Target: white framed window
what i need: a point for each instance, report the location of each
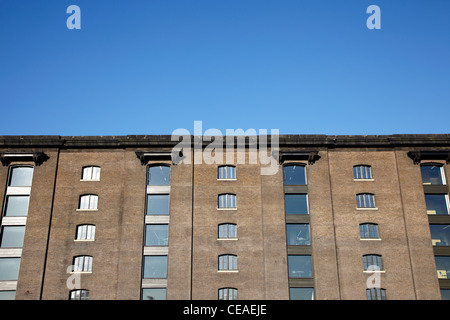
(365, 200)
(226, 173)
(85, 232)
(81, 294)
(82, 264)
(91, 173)
(227, 201)
(368, 231)
(88, 202)
(228, 294)
(227, 262)
(362, 172)
(227, 231)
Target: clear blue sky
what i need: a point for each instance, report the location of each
(152, 66)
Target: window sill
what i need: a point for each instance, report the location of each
(87, 209)
(363, 179)
(226, 179)
(228, 271)
(84, 240)
(89, 179)
(374, 271)
(227, 239)
(78, 272)
(371, 209)
(370, 239)
(225, 209)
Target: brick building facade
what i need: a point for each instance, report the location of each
(342, 218)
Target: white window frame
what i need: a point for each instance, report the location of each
(362, 172)
(364, 201)
(79, 294)
(228, 294)
(227, 201)
(88, 202)
(85, 232)
(82, 264)
(227, 231)
(91, 173)
(227, 262)
(226, 172)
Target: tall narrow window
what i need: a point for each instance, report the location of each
(294, 175)
(372, 262)
(91, 173)
(82, 264)
(365, 200)
(227, 172)
(296, 203)
(443, 266)
(227, 201)
(227, 262)
(159, 176)
(16, 206)
(362, 172)
(81, 294)
(227, 231)
(85, 232)
(9, 268)
(368, 231)
(432, 174)
(299, 266)
(154, 294)
(440, 234)
(156, 234)
(12, 236)
(158, 204)
(155, 267)
(228, 294)
(301, 293)
(21, 177)
(376, 294)
(298, 234)
(88, 202)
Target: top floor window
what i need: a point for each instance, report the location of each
(159, 176)
(91, 173)
(227, 172)
(21, 176)
(294, 174)
(432, 174)
(362, 172)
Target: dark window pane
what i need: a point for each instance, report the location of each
(301, 293)
(158, 204)
(445, 294)
(431, 174)
(296, 204)
(12, 236)
(21, 177)
(155, 267)
(443, 267)
(298, 234)
(159, 176)
(294, 175)
(299, 266)
(440, 234)
(17, 206)
(9, 268)
(154, 294)
(436, 203)
(157, 235)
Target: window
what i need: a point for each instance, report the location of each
(437, 204)
(227, 172)
(158, 204)
(154, 294)
(159, 176)
(294, 175)
(376, 294)
(372, 262)
(301, 293)
(443, 266)
(227, 262)
(156, 234)
(227, 294)
(9, 268)
(227, 201)
(7, 295)
(298, 234)
(368, 231)
(91, 173)
(432, 174)
(12, 236)
(227, 231)
(155, 267)
(296, 203)
(365, 200)
(21, 177)
(440, 234)
(362, 172)
(88, 202)
(299, 266)
(17, 206)
(82, 264)
(85, 232)
(82, 294)
(445, 294)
